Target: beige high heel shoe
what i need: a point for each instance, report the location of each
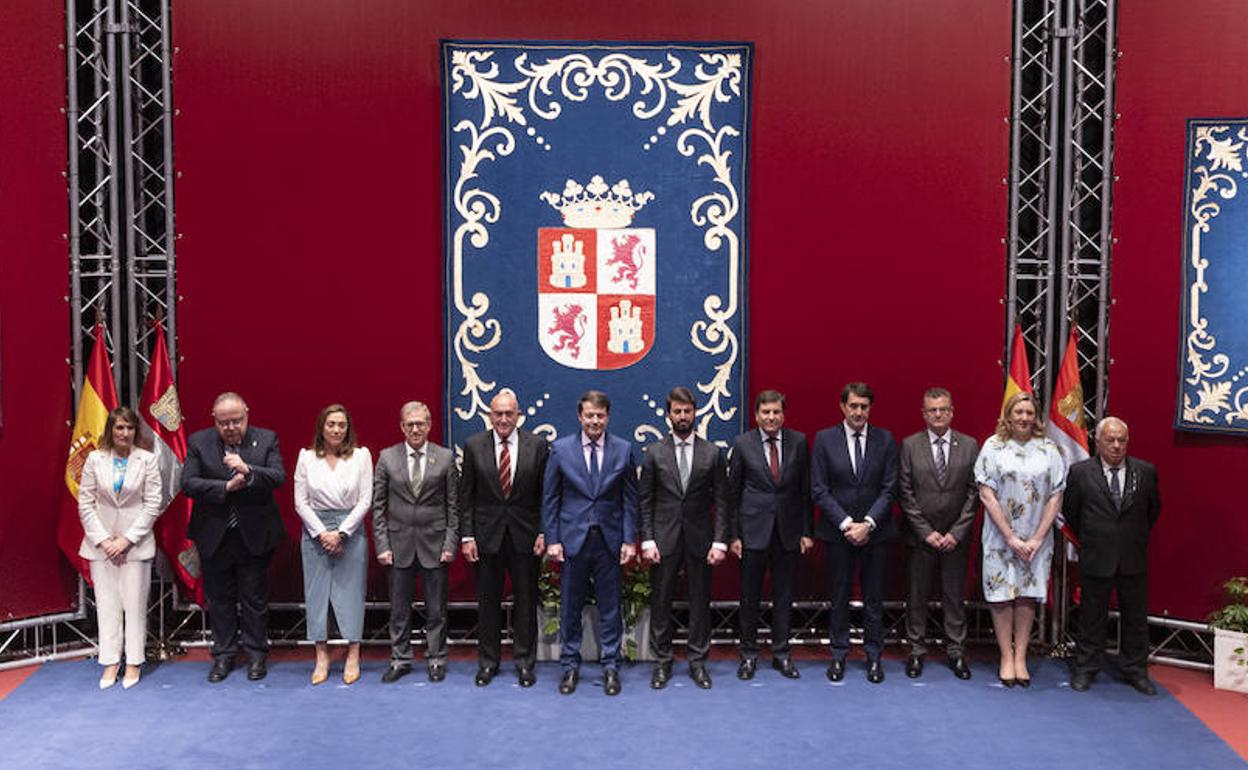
(109, 677)
(131, 678)
(321, 672)
(351, 669)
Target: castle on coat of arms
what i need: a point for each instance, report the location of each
(624, 329)
(567, 263)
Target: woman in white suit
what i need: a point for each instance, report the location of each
(118, 502)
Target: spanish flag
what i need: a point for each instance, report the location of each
(1019, 380)
(99, 397)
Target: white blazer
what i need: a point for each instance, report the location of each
(131, 514)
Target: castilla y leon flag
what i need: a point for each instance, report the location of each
(98, 398)
(1019, 380)
(160, 410)
(1065, 426)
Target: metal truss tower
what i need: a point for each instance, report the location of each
(120, 233)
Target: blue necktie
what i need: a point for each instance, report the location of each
(858, 455)
(1115, 489)
(594, 468)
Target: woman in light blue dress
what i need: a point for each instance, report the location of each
(1021, 476)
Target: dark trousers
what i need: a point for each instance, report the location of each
(236, 586)
(1094, 619)
(523, 568)
(754, 565)
(402, 591)
(923, 563)
(594, 559)
(843, 557)
(663, 589)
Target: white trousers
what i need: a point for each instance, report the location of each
(121, 593)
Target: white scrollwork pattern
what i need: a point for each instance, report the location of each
(1216, 394)
(653, 86)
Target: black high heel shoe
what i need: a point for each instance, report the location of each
(1023, 682)
(1011, 682)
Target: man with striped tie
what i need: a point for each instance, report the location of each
(939, 499)
(500, 517)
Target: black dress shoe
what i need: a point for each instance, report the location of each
(1080, 682)
(395, 673)
(959, 667)
(257, 670)
(836, 670)
(914, 666)
(485, 675)
(526, 676)
(437, 672)
(567, 685)
(1141, 683)
(745, 671)
(700, 677)
(786, 668)
(875, 671)
(660, 676)
(220, 669)
(611, 682)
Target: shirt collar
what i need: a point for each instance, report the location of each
(931, 437)
(414, 452)
(849, 432)
(682, 441)
(585, 440)
(766, 438)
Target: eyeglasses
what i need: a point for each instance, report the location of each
(939, 410)
(232, 422)
(415, 424)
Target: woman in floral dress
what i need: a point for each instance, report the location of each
(1021, 476)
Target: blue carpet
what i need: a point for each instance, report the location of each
(175, 719)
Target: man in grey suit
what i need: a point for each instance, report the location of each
(415, 526)
(939, 499)
(684, 520)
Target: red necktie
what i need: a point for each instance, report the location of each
(504, 469)
(773, 459)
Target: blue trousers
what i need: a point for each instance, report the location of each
(596, 560)
(335, 580)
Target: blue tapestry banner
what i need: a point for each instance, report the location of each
(595, 231)
(1213, 353)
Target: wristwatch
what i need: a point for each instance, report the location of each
(342, 535)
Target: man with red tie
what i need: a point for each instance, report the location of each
(768, 497)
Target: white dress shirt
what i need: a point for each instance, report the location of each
(346, 486)
(767, 448)
(686, 445)
(853, 463)
(513, 445)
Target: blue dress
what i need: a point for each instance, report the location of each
(1024, 477)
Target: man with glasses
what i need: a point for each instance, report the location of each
(500, 519)
(230, 474)
(939, 499)
(415, 531)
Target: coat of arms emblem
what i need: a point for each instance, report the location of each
(596, 278)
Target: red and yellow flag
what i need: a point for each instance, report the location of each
(1066, 426)
(98, 398)
(1019, 380)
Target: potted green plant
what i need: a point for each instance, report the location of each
(1230, 640)
(635, 607)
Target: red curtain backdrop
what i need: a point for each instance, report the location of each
(34, 324)
(310, 200)
(1180, 61)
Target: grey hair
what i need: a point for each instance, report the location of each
(413, 406)
(229, 395)
(1106, 422)
(505, 392)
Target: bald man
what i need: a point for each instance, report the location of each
(1111, 504)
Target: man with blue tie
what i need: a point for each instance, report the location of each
(589, 521)
(853, 480)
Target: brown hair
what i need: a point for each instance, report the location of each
(1003, 422)
(120, 413)
(680, 395)
(348, 441)
(596, 399)
(768, 397)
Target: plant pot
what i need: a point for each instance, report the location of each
(637, 639)
(548, 644)
(1230, 660)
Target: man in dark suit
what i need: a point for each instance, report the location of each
(500, 517)
(230, 474)
(853, 481)
(684, 520)
(589, 518)
(1111, 504)
(768, 496)
(939, 498)
(415, 531)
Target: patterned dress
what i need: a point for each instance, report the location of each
(1023, 476)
